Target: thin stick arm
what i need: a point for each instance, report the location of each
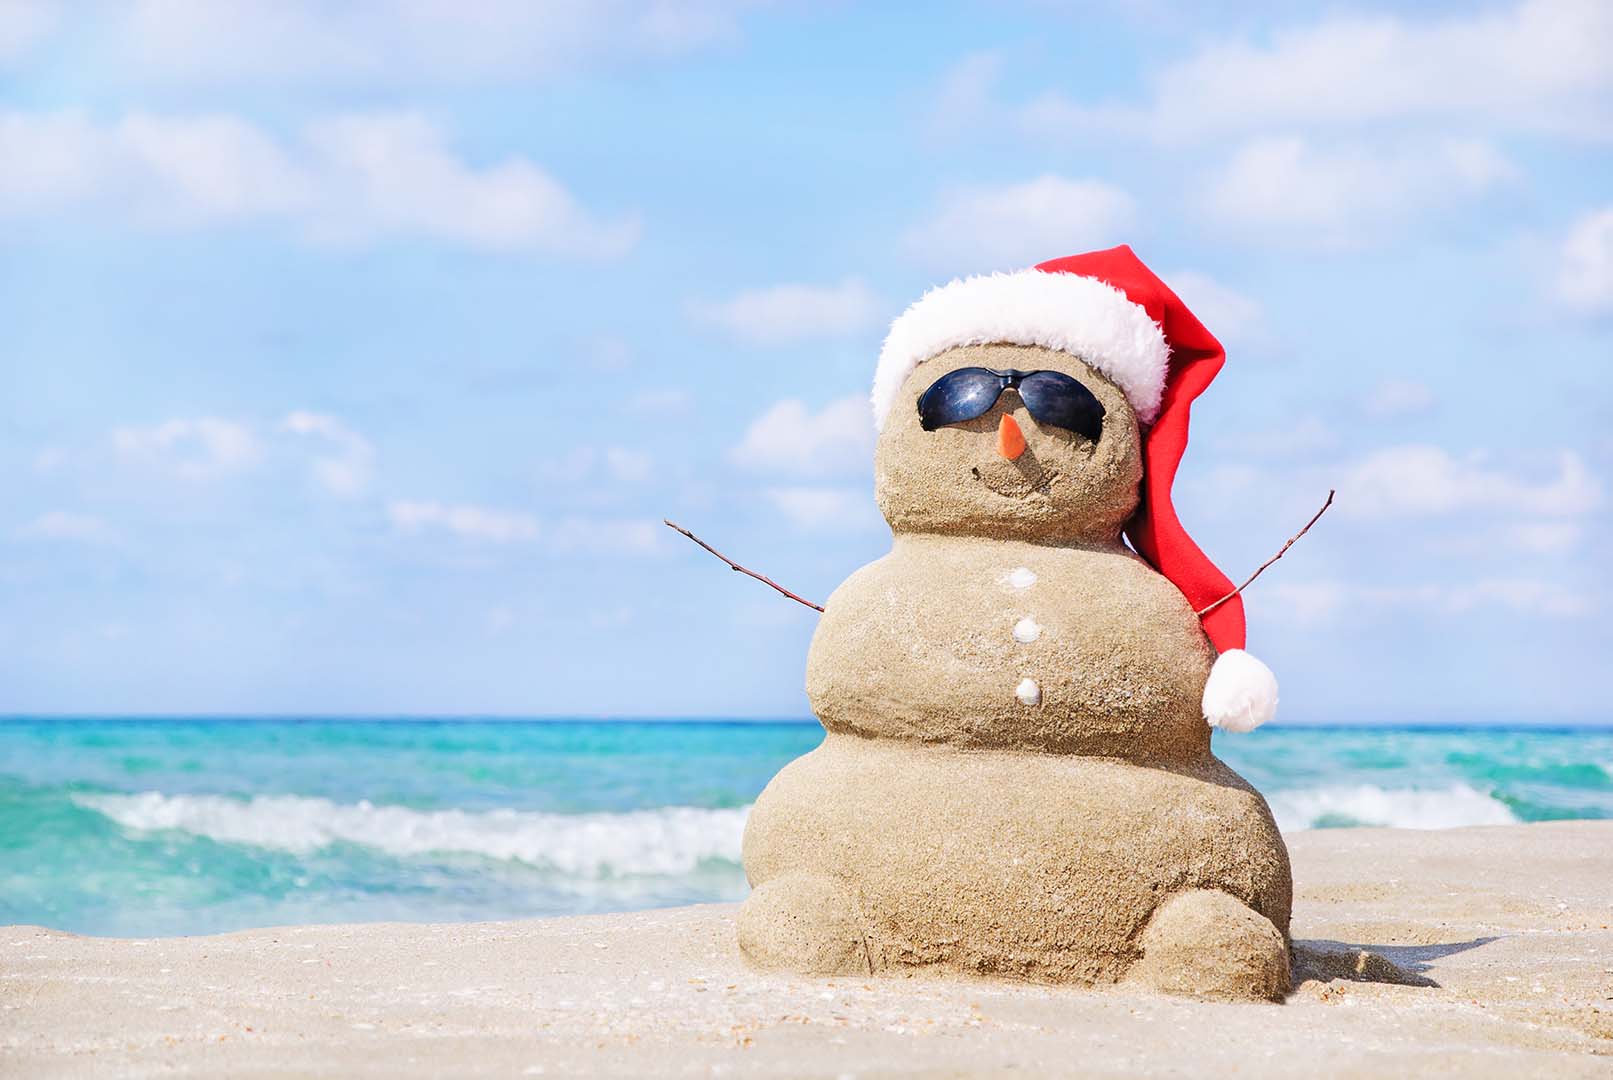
(732, 565)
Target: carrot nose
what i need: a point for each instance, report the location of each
(1010, 440)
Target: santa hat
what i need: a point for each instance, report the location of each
(1111, 311)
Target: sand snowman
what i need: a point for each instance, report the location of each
(1017, 777)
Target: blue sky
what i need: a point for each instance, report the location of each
(351, 361)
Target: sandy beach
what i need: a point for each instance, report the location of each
(1489, 951)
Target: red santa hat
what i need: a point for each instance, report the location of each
(1111, 311)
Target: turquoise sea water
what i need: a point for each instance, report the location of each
(147, 827)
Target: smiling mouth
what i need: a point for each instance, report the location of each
(1016, 479)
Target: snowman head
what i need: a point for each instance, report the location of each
(1050, 460)
(1102, 320)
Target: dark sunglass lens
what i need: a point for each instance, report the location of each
(1055, 398)
(958, 396)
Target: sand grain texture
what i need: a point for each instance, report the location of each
(1512, 923)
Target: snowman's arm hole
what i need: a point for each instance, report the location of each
(1314, 519)
(732, 565)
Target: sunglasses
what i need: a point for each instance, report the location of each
(1051, 397)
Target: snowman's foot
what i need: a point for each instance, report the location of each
(1207, 943)
(805, 923)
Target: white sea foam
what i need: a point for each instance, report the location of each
(670, 840)
(1404, 808)
(667, 841)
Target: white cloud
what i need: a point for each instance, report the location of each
(790, 438)
(1585, 276)
(1012, 226)
(606, 536)
(23, 24)
(471, 522)
(280, 41)
(394, 174)
(780, 314)
(1234, 319)
(824, 509)
(1524, 595)
(157, 171)
(1540, 65)
(1544, 537)
(193, 448)
(346, 471)
(1322, 601)
(1535, 66)
(570, 535)
(64, 525)
(346, 179)
(1346, 195)
(1400, 397)
(1425, 481)
(198, 169)
(1535, 538)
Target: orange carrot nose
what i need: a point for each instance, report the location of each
(1010, 440)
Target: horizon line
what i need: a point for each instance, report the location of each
(1544, 723)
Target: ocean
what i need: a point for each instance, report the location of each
(150, 827)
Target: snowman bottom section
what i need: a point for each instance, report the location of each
(1037, 866)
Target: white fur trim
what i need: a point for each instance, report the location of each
(1079, 315)
(1241, 692)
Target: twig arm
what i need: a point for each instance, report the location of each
(769, 582)
(1314, 519)
(732, 565)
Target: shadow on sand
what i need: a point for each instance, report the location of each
(1403, 965)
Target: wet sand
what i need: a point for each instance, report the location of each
(1489, 952)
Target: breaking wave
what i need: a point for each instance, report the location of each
(1403, 808)
(665, 841)
(669, 840)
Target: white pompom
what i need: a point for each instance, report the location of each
(1241, 693)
